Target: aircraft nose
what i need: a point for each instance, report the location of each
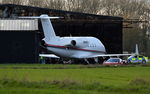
(103, 49)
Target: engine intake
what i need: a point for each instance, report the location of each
(73, 43)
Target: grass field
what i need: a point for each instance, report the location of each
(74, 79)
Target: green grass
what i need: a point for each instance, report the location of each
(74, 79)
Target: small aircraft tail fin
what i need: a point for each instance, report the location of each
(136, 50)
(49, 32)
(48, 29)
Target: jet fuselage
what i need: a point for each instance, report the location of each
(76, 47)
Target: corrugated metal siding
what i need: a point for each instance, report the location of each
(18, 25)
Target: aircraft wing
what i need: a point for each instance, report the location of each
(110, 55)
(49, 55)
(103, 55)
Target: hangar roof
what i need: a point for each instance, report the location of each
(54, 12)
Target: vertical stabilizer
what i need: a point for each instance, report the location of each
(49, 32)
(136, 50)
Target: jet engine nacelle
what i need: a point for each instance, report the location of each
(73, 43)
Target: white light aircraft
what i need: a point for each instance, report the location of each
(71, 47)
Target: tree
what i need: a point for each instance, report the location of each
(54, 4)
(38, 3)
(19, 2)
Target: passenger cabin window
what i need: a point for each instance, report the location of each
(92, 45)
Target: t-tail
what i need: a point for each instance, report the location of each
(48, 29)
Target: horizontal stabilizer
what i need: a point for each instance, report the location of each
(39, 17)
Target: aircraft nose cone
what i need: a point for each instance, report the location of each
(102, 48)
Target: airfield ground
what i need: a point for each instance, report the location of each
(74, 79)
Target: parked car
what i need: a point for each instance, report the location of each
(114, 61)
(137, 59)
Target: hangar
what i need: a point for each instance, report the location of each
(22, 45)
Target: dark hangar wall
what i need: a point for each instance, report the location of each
(107, 28)
(18, 47)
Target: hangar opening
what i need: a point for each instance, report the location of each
(21, 43)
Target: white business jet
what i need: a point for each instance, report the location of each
(70, 47)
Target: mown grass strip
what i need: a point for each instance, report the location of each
(135, 86)
(57, 66)
(104, 80)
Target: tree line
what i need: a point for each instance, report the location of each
(128, 9)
